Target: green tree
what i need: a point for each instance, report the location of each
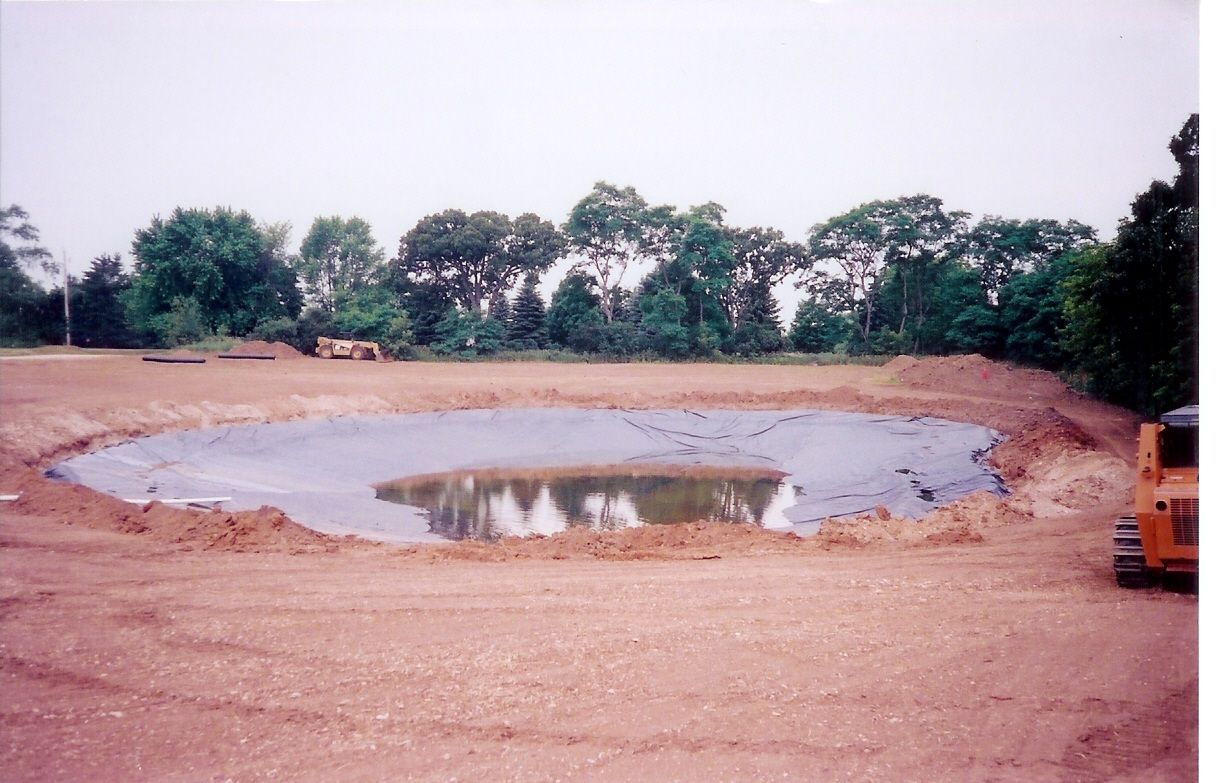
(816, 329)
(276, 293)
(99, 318)
(370, 313)
(472, 259)
(977, 329)
(856, 244)
(697, 268)
(18, 242)
(278, 330)
(427, 303)
(999, 248)
(763, 258)
(181, 324)
(945, 289)
(919, 235)
(662, 327)
(25, 314)
(1032, 311)
(468, 334)
(612, 229)
(312, 323)
(527, 321)
(500, 310)
(574, 309)
(234, 271)
(1132, 307)
(908, 236)
(338, 254)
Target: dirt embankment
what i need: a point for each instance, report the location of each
(264, 530)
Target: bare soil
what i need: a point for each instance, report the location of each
(986, 642)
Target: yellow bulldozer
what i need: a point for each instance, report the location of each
(1161, 537)
(335, 348)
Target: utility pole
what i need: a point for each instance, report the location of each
(67, 313)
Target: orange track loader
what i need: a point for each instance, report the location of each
(1162, 535)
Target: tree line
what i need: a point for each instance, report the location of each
(901, 275)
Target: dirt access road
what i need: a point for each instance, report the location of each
(986, 643)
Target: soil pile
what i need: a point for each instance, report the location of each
(976, 375)
(262, 348)
(900, 363)
(265, 530)
(960, 522)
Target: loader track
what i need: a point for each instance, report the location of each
(1128, 557)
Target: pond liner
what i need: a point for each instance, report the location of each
(175, 359)
(322, 472)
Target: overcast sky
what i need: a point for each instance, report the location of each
(787, 113)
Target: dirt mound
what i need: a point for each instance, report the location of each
(959, 522)
(900, 363)
(262, 348)
(265, 530)
(692, 541)
(976, 375)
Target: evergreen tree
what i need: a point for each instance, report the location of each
(500, 310)
(99, 318)
(527, 321)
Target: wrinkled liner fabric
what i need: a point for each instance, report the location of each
(321, 472)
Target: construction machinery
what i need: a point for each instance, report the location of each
(335, 348)
(1161, 537)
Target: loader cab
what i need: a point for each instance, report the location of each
(1179, 440)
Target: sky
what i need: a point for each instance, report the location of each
(786, 112)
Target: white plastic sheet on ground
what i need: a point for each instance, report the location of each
(321, 472)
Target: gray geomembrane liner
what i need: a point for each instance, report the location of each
(321, 472)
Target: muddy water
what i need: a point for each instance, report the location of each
(489, 504)
(322, 473)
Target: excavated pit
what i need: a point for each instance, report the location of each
(436, 476)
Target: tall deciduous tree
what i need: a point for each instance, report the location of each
(856, 244)
(612, 229)
(23, 303)
(699, 268)
(475, 258)
(234, 272)
(1132, 307)
(999, 248)
(338, 254)
(19, 242)
(763, 258)
(919, 235)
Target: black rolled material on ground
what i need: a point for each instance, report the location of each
(175, 359)
(263, 356)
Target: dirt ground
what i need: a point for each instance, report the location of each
(987, 642)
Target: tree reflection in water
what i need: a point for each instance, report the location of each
(489, 504)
